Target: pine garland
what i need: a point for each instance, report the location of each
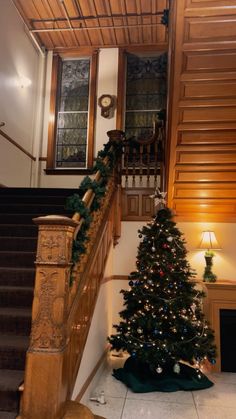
(74, 203)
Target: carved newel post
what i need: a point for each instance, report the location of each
(45, 388)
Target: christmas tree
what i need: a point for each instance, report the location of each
(162, 323)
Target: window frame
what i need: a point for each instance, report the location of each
(121, 88)
(52, 126)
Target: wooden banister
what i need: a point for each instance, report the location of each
(61, 314)
(8, 138)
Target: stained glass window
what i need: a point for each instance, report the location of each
(145, 94)
(72, 114)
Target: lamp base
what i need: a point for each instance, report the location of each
(208, 275)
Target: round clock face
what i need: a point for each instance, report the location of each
(106, 101)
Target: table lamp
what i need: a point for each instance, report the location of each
(209, 243)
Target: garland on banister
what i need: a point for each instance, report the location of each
(75, 203)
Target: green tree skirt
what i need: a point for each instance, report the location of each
(140, 379)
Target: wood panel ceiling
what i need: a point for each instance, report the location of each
(72, 24)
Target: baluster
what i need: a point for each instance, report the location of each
(134, 167)
(155, 163)
(126, 164)
(148, 164)
(140, 165)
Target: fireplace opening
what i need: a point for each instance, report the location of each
(228, 340)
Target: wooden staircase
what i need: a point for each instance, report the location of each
(18, 240)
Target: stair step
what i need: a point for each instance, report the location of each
(15, 321)
(13, 352)
(9, 394)
(17, 209)
(14, 276)
(26, 218)
(14, 230)
(14, 296)
(42, 192)
(8, 415)
(21, 259)
(35, 199)
(18, 243)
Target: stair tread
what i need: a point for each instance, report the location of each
(7, 415)
(10, 379)
(15, 288)
(16, 251)
(16, 311)
(14, 341)
(16, 269)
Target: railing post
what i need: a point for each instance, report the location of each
(45, 375)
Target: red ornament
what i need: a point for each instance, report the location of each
(161, 273)
(165, 246)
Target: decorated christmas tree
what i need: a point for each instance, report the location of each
(163, 327)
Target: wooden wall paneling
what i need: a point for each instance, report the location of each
(209, 89)
(207, 137)
(209, 4)
(147, 205)
(217, 174)
(202, 135)
(210, 29)
(207, 190)
(137, 204)
(202, 157)
(197, 114)
(209, 60)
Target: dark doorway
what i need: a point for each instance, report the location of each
(228, 340)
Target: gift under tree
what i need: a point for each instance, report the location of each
(163, 327)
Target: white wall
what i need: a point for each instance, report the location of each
(17, 105)
(106, 83)
(99, 330)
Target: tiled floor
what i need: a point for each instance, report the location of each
(218, 402)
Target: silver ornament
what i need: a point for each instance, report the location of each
(159, 370)
(153, 249)
(176, 368)
(169, 239)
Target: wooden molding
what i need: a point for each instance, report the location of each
(53, 112)
(92, 107)
(219, 295)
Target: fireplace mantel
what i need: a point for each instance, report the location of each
(219, 295)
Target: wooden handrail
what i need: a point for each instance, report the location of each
(8, 138)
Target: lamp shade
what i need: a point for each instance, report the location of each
(209, 241)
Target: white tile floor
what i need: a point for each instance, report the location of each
(217, 402)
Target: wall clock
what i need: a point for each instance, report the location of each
(106, 103)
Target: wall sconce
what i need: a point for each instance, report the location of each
(24, 81)
(209, 243)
